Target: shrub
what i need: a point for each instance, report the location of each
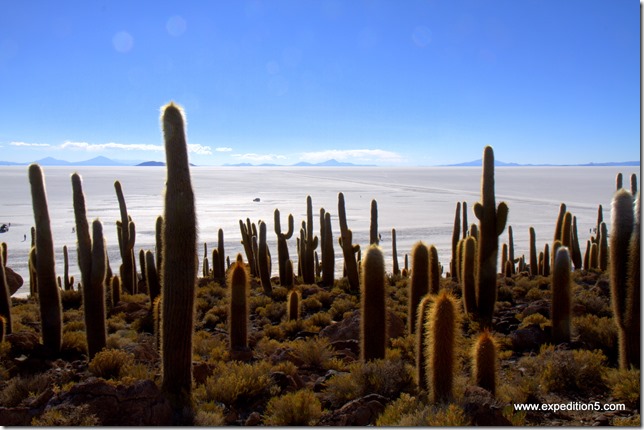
(234, 383)
(404, 405)
(624, 385)
(300, 408)
(535, 318)
(19, 388)
(317, 321)
(109, 363)
(596, 332)
(74, 342)
(341, 306)
(66, 415)
(312, 352)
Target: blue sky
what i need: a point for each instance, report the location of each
(377, 82)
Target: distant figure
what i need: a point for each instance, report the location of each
(73, 229)
(256, 199)
(24, 238)
(4, 228)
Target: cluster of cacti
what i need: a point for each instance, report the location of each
(373, 310)
(492, 222)
(179, 265)
(308, 244)
(51, 315)
(92, 263)
(5, 295)
(348, 248)
(282, 245)
(126, 232)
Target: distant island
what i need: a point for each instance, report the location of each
(101, 161)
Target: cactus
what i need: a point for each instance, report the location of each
(179, 264)
(328, 254)
(600, 219)
(511, 248)
(441, 328)
(282, 246)
(619, 182)
(263, 260)
(248, 233)
(92, 263)
(308, 243)
(394, 253)
(5, 297)
(465, 230)
(560, 222)
(456, 232)
(459, 261)
(546, 260)
(561, 296)
(468, 276)
(419, 285)
(116, 290)
(33, 275)
(288, 272)
(492, 222)
(504, 257)
(633, 184)
(422, 315)
(587, 256)
(68, 282)
(293, 306)
(622, 225)
(575, 251)
(434, 270)
(632, 317)
(152, 277)
(158, 231)
(484, 362)
(51, 315)
(221, 253)
(239, 287)
(216, 275)
(205, 271)
(373, 311)
(374, 236)
(603, 254)
(157, 304)
(348, 249)
(594, 256)
(534, 266)
(126, 235)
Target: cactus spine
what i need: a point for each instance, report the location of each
(348, 248)
(51, 316)
(492, 222)
(441, 358)
(373, 310)
(484, 362)
(419, 285)
(179, 264)
(238, 285)
(92, 263)
(5, 296)
(561, 296)
(126, 235)
(282, 246)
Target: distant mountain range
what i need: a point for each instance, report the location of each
(104, 162)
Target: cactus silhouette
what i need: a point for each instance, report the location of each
(238, 285)
(126, 235)
(456, 233)
(422, 315)
(394, 253)
(468, 276)
(603, 254)
(546, 260)
(373, 312)
(152, 276)
(5, 297)
(158, 234)
(205, 271)
(560, 222)
(179, 265)
(419, 285)
(534, 266)
(492, 222)
(293, 306)
(68, 282)
(51, 316)
(484, 362)
(619, 182)
(263, 259)
(221, 253)
(464, 220)
(561, 296)
(308, 243)
(374, 236)
(575, 251)
(511, 247)
(632, 317)
(348, 248)
(282, 245)
(441, 359)
(328, 254)
(248, 233)
(92, 263)
(434, 270)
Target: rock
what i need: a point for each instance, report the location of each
(201, 371)
(349, 328)
(284, 381)
(538, 306)
(320, 383)
(141, 403)
(18, 416)
(13, 279)
(528, 339)
(360, 412)
(254, 419)
(482, 409)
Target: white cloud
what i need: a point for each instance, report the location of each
(362, 155)
(193, 148)
(41, 145)
(223, 149)
(259, 157)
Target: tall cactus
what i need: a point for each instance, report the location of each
(422, 315)
(468, 276)
(561, 296)
(419, 285)
(632, 319)
(394, 253)
(560, 222)
(434, 270)
(374, 236)
(158, 231)
(464, 222)
(534, 266)
(68, 282)
(179, 265)
(263, 259)
(282, 245)
(92, 264)
(221, 253)
(456, 232)
(152, 277)
(442, 326)
(348, 248)
(328, 254)
(603, 254)
(308, 243)
(51, 315)
(373, 311)
(622, 224)
(511, 248)
(492, 222)
(5, 295)
(126, 235)
(238, 285)
(575, 251)
(248, 232)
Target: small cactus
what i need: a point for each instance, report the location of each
(485, 362)
(373, 309)
(293, 306)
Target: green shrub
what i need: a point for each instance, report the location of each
(596, 332)
(341, 306)
(312, 352)
(300, 408)
(624, 385)
(74, 342)
(109, 363)
(394, 411)
(234, 382)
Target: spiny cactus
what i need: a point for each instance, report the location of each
(419, 284)
(92, 263)
(603, 254)
(126, 235)
(492, 222)
(288, 272)
(282, 245)
(221, 253)
(594, 256)
(442, 327)
(249, 234)
(619, 181)
(561, 296)
(511, 248)
(179, 264)
(116, 290)
(632, 318)
(374, 236)
(560, 222)
(468, 276)
(348, 248)
(205, 271)
(456, 232)
(484, 362)
(5, 297)
(434, 270)
(263, 259)
(464, 222)
(216, 274)
(308, 244)
(68, 282)
(534, 266)
(293, 306)
(394, 253)
(422, 315)
(546, 260)
(575, 251)
(51, 315)
(328, 254)
(373, 311)
(152, 276)
(633, 184)
(600, 219)
(239, 287)
(622, 224)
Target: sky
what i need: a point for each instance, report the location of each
(411, 83)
